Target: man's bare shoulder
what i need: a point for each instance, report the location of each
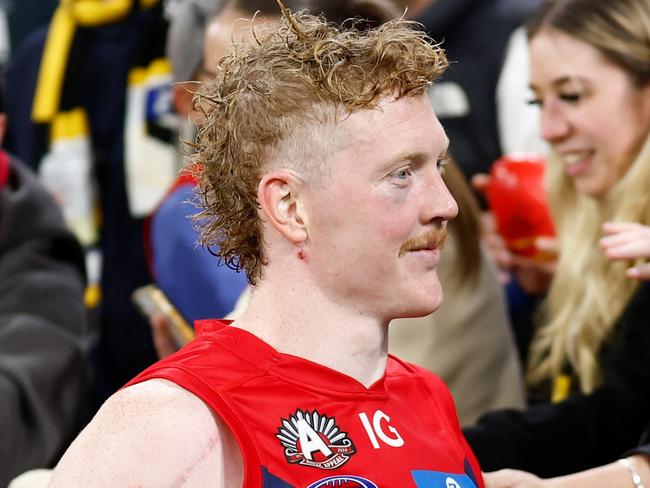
(151, 434)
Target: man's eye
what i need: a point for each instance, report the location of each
(441, 165)
(534, 101)
(403, 173)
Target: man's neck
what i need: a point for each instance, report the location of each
(300, 321)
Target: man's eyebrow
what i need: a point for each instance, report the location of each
(401, 156)
(405, 156)
(414, 156)
(418, 155)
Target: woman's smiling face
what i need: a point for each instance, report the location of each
(595, 118)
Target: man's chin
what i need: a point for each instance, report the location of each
(421, 310)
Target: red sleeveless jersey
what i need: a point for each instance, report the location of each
(302, 425)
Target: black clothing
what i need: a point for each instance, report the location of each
(645, 448)
(584, 430)
(641, 450)
(43, 333)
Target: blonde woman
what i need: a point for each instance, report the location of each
(590, 360)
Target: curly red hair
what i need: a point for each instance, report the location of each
(293, 79)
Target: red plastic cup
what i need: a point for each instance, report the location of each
(517, 198)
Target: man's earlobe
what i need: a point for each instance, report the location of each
(279, 197)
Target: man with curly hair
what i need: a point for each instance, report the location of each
(319, 163)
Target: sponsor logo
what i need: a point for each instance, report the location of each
(314, 440)
(451, 483)
(344, 482)
(428, 479)
(390, 438)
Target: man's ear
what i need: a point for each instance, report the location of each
(182, 98)
(279, 197)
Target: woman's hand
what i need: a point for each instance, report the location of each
(163, 340)
(535, 275)
(511, 478)
(628, 241)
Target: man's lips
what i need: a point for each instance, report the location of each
(430, 241)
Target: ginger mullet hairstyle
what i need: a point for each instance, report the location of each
(267, 89)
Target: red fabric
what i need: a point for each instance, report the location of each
(260, 393)
(517, 198)
(4, 168)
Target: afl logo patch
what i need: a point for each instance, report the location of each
(344, 482)
(314, 440)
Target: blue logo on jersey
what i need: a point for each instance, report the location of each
(433, 479)
(346, 481)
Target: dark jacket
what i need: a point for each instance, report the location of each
(643, 449)
(43, 333)
(585, 430)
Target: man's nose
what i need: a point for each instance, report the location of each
(440, 204)
(555, 125)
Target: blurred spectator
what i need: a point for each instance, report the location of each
(43, 334)
(89, 95)
(590, 366)
(27, 16)
(624, 241)
(185, 46)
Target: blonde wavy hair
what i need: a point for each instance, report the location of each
(278, 98)
(589, 293)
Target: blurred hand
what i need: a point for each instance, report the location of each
(534, 276)
(510, 478)
(628, 241)
(480, 182)
(163, 340)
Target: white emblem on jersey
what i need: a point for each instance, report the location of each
(312, 439)
(376, 430)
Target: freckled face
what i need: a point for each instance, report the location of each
(384, 188)
(594, 117)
